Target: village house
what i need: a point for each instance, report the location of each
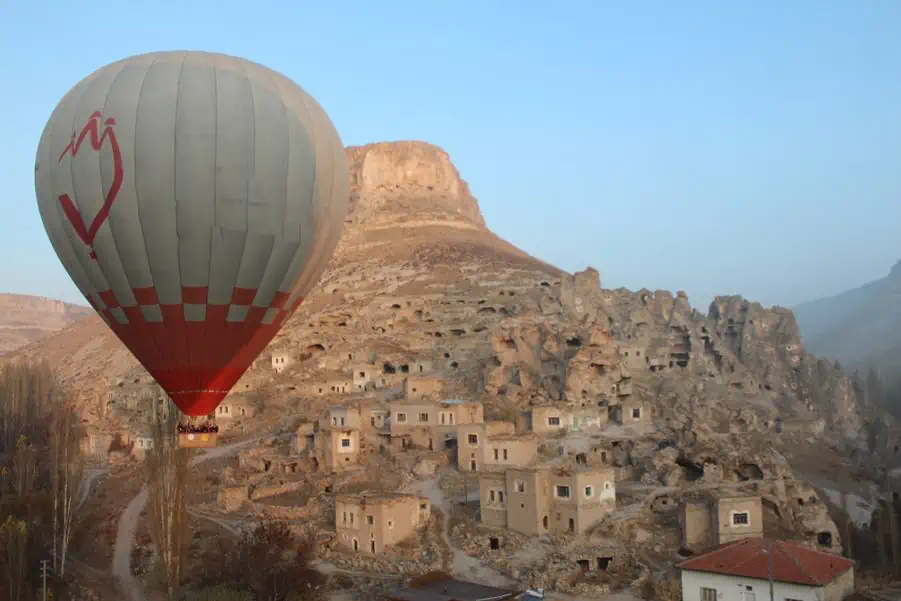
(713, 521)
(340, 416)
(336, 449)
(365, 376)
(551, 419)
(97, 445)
(143, 443)
(232, 409)
(546, 499)
(374, 416)
(417, 388)
(373, 522)
(494, 446)
(633, 356)
(334, 383)
(280, 361)
(430, 424)
(630, 412)
(743, 570)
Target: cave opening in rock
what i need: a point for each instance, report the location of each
(604, 563)
(494, 543)
(574, 342)
(693, 471)
(824, 539)
(749, 471)
(388, 369)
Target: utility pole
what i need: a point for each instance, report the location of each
(44, 577)
(769, 568)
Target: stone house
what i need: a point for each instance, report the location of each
(546, 499)
(372, 522)
(365, 376)
(374, 416)
(714, 521)
(143, 442)
(280, 361)
(743, 570)
(334, 383)
(336, 449)
(551, 419)
(430, 424)
(340, 416)
(97, 445)
(422, 387)
(633, 356)
(231, 409)
(493, 446)
(630, 412)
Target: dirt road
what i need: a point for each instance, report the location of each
(128, 525)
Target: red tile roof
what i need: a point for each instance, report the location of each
(792, 562)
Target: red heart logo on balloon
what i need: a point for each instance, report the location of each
(90, 131)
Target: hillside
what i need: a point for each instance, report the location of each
(859, 327)
(25, 319)
(419, 279)
(422, 300)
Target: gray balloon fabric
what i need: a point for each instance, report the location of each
(194, 199)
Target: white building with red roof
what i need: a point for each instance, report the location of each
(743, 570)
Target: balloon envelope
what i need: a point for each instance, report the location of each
(194, 199)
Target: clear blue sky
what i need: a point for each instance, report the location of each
(710, 146)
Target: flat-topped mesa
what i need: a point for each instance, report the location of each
(408, 180)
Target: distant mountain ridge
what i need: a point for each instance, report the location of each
(859, 327)
(25, 319)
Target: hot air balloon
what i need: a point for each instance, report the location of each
(194, 199)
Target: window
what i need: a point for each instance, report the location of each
(562, 492)
(553, 421)
(588, 492)
(401, 418)
(473, 439)
(495, 454)
(390, 525)
(451, 418)
(345, 518)
(708, 594)
(334, 421)
(606, 486)
(370, 520)
(520, 486)
(423, 418)
(505, 454)
(636, 413)
(491, 495)
(351, 519)
(345, 443)
(500, 496)
(442, 419)
(740, 518)
(362, 374)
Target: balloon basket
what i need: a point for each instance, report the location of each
(197, 440)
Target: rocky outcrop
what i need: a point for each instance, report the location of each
(25, 319)
(400, 180)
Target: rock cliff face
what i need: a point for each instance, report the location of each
(420, 285)
(24, 319)
(407, 180)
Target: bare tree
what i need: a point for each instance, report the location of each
(14, 539)
(167, 467)
(66, 471)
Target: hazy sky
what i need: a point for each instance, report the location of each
(710, 146)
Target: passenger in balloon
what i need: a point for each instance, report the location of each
(197, 435)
